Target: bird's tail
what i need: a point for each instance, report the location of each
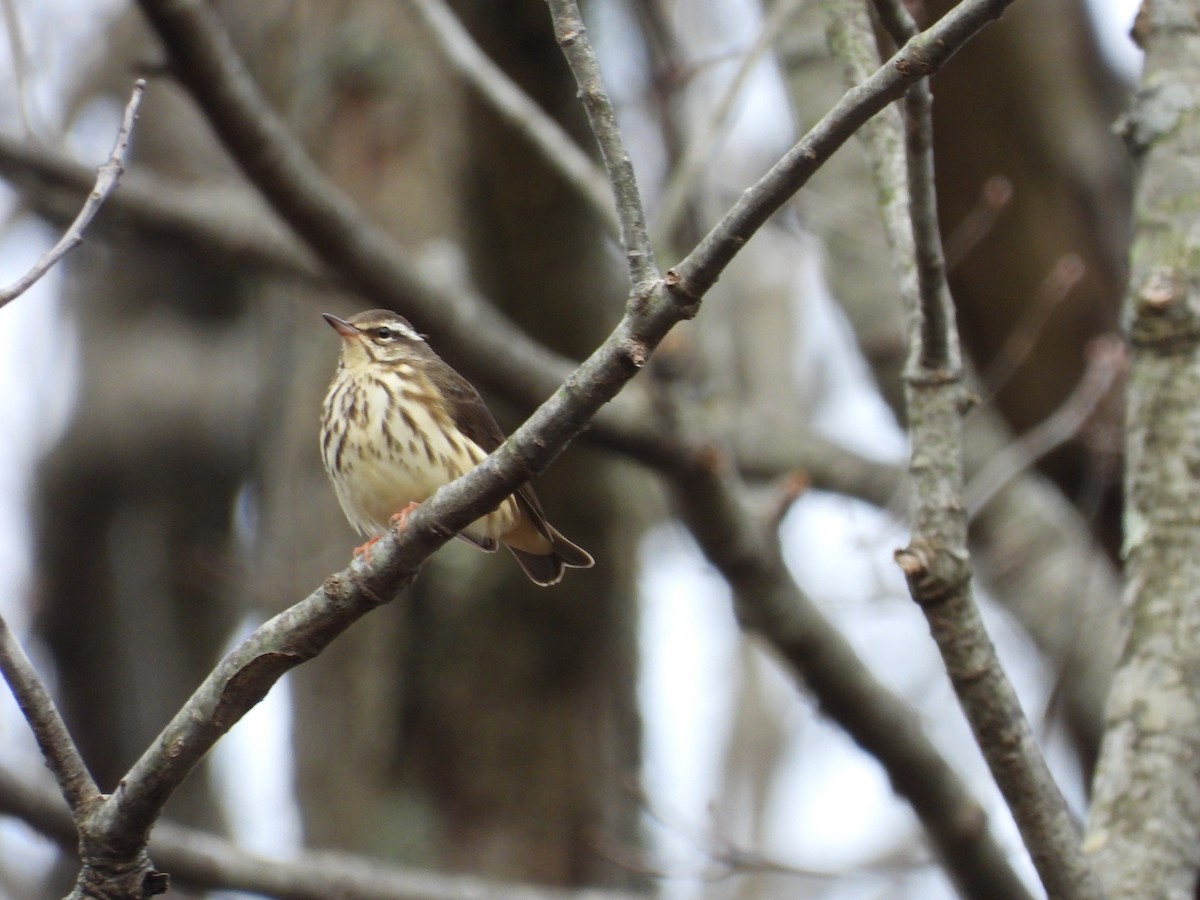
(546, 569)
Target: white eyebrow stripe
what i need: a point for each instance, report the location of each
(408, 331)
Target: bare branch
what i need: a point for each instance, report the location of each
(770, 604)
(107, 179)
(1027, 540)
(936, 562)
(59, 750)
(571, 35)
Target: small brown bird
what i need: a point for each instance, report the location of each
(399, 422)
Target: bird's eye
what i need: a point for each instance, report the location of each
(384, 334)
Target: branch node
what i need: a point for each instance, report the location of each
(1159, 292)
(637, 352)
(684, 294)
(935, 575)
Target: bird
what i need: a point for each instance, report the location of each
(398, 422)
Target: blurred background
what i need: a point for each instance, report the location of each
(161, 492)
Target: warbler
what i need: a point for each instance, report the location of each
(399, 422)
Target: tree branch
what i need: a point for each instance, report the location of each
(58, 749)
(768, 602)
(571, 35)
(107, 178)
(1027, 539)
(935, 562)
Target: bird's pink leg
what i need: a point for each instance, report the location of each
(365, 550)
(399, 521)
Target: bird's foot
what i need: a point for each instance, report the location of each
(365, 550)
(399, 521)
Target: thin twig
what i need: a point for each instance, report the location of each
(571, 35)
(514, 105)
(994, 198)
(937, 350)
(59, 750)
(109, 175)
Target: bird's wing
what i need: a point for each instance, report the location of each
(473, 418)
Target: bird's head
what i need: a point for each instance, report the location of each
(377, 336)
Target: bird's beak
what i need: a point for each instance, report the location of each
(341, 326)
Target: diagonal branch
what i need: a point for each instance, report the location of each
(58, 749)
(770, 604)
(107, 178)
